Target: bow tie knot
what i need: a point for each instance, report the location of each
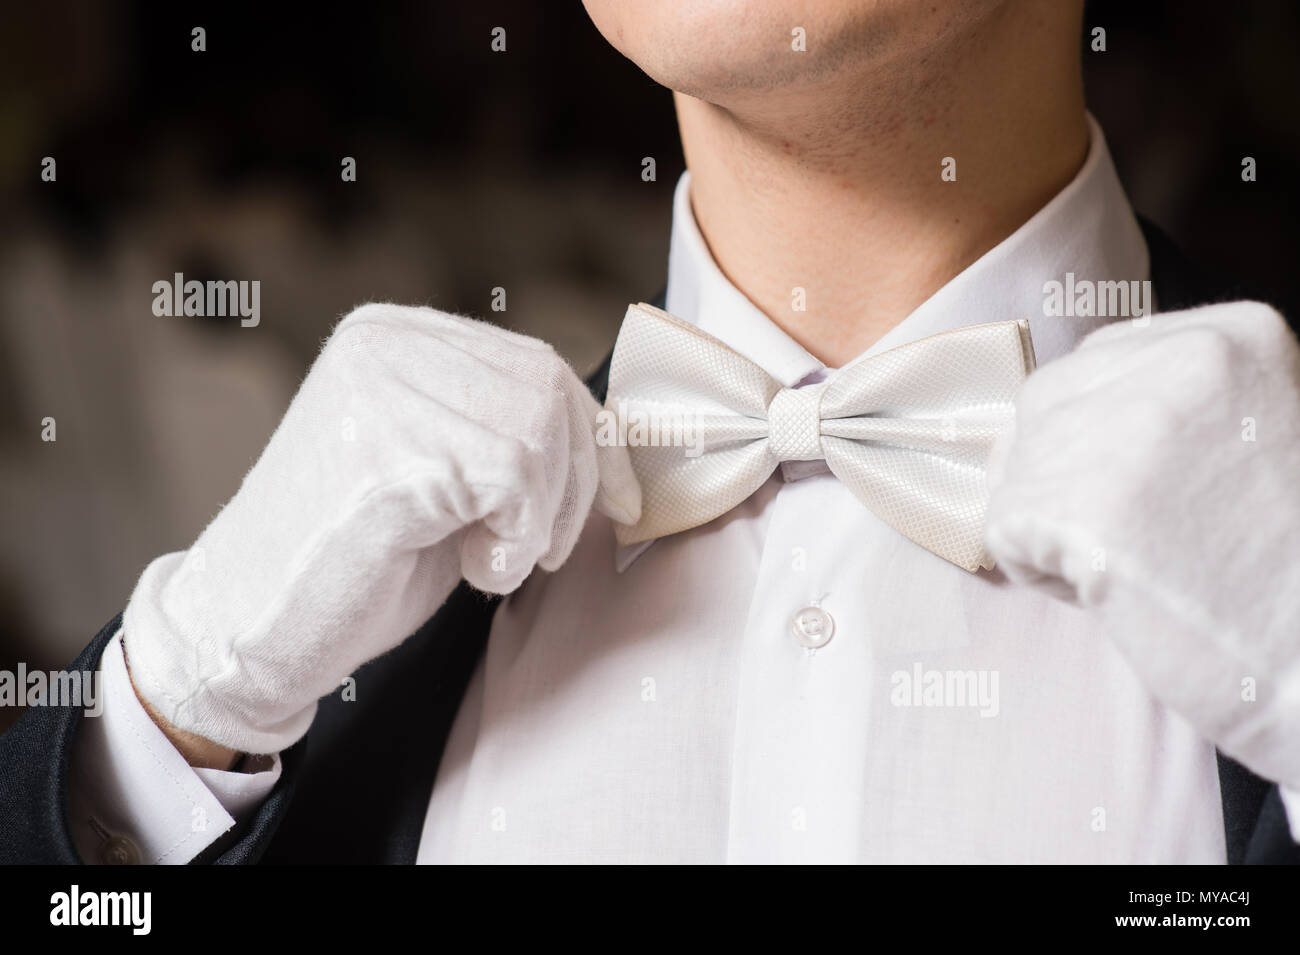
(794, 424)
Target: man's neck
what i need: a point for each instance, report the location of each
(838, 190)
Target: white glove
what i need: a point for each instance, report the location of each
(1154, 476)
(420, 449)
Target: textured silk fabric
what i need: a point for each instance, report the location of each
(908, 431)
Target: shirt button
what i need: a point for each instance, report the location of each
(119, 850)
(812, 627)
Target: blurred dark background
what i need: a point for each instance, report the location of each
(475, 169)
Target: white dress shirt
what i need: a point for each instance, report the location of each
(670, 702)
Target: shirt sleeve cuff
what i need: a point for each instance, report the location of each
(133, 798)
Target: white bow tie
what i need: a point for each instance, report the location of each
(908, 431)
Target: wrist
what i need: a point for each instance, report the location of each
(199, 752)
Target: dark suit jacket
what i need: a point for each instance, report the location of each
(357, 787)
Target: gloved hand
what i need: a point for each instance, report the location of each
(420, 449)
(1153, 476)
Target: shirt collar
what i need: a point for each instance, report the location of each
(699, 293)
(1088, 229)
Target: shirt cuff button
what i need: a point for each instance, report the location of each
(119, 850)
